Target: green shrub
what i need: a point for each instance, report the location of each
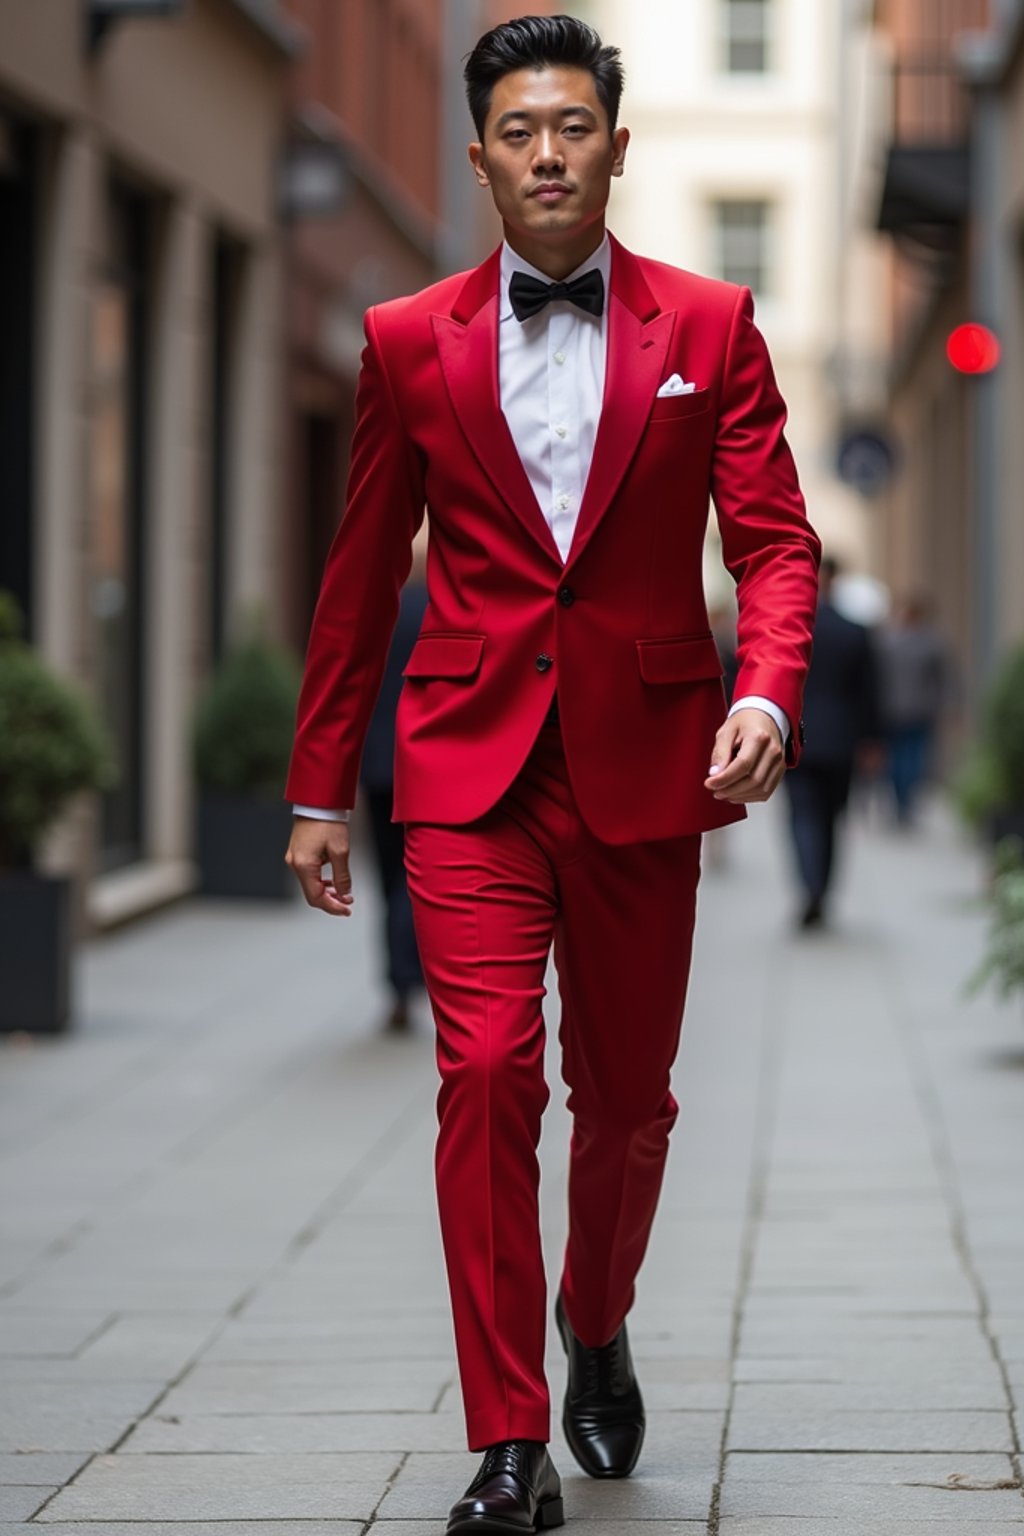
(245, 721)
(981, 785)
(52, 745)
(1003, 965)
(1004, 723)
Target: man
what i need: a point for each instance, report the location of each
(564, 411)
(841, 707)
(915, 687)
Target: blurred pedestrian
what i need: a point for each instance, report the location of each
(563, 739)
(841, 714)
(915, 687)
(377, 780)
(722, 618)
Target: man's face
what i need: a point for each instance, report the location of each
(548, 155)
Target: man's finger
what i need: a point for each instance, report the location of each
(724, 748)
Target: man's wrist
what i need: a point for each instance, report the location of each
(767, 707)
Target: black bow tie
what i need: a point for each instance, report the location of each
(529, 295)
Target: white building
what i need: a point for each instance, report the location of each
(738, 170)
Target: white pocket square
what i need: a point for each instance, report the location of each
(675, 386)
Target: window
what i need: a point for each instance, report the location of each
(746, 25)
(742, 230)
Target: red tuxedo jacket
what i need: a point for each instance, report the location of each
(621, 630)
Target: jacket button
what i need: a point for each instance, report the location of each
(544, 663)
(566, 596)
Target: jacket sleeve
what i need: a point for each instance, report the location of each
(358, 603)
(768, 546)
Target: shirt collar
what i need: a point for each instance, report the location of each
(510, 262)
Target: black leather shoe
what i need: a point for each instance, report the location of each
(516, 1489)
(603, 1418)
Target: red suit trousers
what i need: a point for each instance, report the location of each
(489, 899)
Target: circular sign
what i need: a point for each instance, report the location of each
(865, 460)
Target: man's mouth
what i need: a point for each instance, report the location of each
(550, 192)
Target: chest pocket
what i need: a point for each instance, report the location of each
(680, 407)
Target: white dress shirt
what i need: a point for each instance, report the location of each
(551, 373)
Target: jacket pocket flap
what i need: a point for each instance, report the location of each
(445, 656)
(685, 660)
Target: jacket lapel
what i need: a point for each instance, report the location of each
(467, 347)
(639, 334)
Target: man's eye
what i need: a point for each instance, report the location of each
(517, 133)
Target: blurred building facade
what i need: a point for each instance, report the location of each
(735, 171)
(950, 199)
(198, 201)
(142, 377)
(382, 81)
(370, 85)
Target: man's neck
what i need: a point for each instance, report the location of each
(556, 261)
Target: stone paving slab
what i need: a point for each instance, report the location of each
(938, 1469)
(22, 1503)
(904, 1394)
(193, 1528)
(819, 1498)
(305, 1433)
(271, 1487)
(28, 1334)
(839, 1430)
(39, 1469)
(759, 1525)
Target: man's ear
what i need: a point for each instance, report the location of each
(620, 143)
(476, 160)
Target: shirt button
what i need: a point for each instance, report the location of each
(566, 596)
(562, 503)
(559, 357)
(561, 431)
(544, 663)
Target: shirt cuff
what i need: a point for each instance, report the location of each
(755, 701)
(317, 813)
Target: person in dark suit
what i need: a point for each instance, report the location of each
(377, 779)
(841, 714)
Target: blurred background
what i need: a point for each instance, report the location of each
(200, 198)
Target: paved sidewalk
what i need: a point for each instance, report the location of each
(221, 1295)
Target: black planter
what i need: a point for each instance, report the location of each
(35, 953)
(241, 845)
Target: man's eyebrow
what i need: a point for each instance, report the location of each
(518, 115)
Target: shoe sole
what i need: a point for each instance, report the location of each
(549, 1514)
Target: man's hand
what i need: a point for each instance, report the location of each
(748, 761)
(313, 844)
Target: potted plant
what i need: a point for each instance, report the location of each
(990, 786)
(244, 725)
(1003, 965)
(52, 747)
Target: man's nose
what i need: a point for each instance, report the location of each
(548, 154)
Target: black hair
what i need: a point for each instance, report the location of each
(533, 42)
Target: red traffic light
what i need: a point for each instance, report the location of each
(973, 349)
